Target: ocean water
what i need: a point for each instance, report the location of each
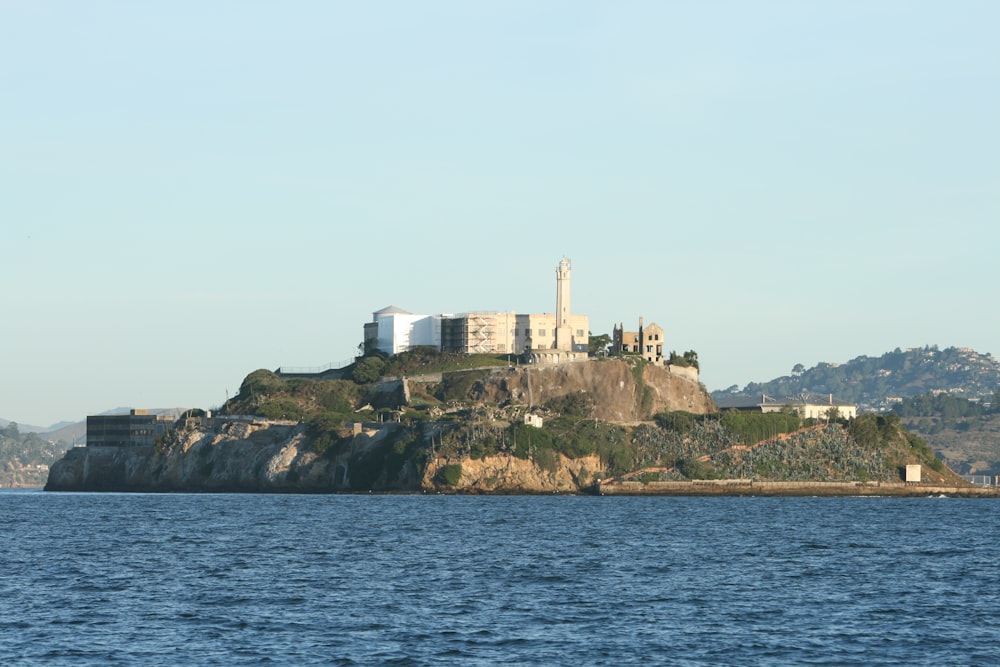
(116, 579)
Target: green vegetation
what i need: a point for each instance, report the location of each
(944, 406)
(689, 358)
(450, 474)
(423, 360)
(456, 386)
(598, 345)
(265, 394)
(368, 369)
(644, 392)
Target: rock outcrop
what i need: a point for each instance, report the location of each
(237, 457)
(508, 474)
(620, 393)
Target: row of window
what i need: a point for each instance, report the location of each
(541, 332)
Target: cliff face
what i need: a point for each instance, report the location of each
(507, 474)
(238, 457)
(620, 394)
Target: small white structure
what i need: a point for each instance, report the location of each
(533, 420)
(913, 473)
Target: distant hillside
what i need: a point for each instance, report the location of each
(875, 384)
(25, 457)
(23, 428)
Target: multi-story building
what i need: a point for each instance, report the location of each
(480, 333)
(393, 330)
(136, 429)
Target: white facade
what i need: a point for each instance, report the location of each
(399, 333)
(393, 331)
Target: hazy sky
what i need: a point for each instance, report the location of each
(190, 191)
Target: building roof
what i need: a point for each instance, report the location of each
(391, 310)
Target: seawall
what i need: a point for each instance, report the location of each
(746, 487)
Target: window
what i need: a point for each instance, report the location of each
(579, 333)
(541, 332)
(501, 348)
(527, 332)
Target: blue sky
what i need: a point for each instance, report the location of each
(190, 191)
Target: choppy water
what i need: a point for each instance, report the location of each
(107, 579)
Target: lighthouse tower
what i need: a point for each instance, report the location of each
(564, 332)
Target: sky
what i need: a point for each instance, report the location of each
(191, 191)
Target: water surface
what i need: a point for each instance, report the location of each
(132, 579)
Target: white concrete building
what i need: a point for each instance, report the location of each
(394, 330)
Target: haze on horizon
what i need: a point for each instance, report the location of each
(192, 191)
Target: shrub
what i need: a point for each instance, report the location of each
(450, 474)
(618, 458)
(547, 459)
(281, 408)
(576, 404)
(261, 382)
(528, 440)
(368, 370)
(693, 468)
(456, 386)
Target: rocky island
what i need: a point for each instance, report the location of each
(426, 421)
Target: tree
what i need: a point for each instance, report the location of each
(599, 344)
(689, 358)
(798, 369)
(368, 370)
